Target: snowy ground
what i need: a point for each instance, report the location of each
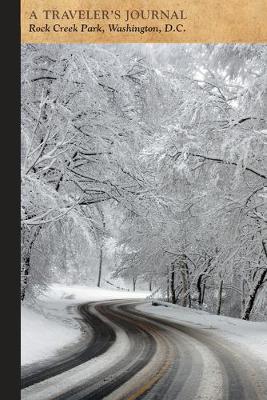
(52, 324)
(252, 336)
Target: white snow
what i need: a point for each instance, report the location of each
(41, 337)
(250, 335)
(78, 294)
(51, 324)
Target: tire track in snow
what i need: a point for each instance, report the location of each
(194, 372)
(92, 346)
(52, 388)
(154, 359)
(228, 374)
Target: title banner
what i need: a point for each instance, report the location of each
(139, 21)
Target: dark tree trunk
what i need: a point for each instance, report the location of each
(203, 293)
(243, 300)
(25, 279)
(201, 285)
(199, 289)
(184, 295)
(185, 278)
(100, 240)
(187, 282)
(253, 294)
(168, 284)
(100, 266)
(189, 300)
(172, 288)
(27, 264)
(134, 284)
(150, 285)
(219, 306)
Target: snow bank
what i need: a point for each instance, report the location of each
(252, 336)
(41, 337)
(45, 332)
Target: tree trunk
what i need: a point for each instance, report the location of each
(243, 300)
(219, 306)
(134, 284)
(24, 283)
(203, 293)
(199, 289)
(185, 276)
(172, 288)
(27, 263)
(187, 283)
(184, 295)
(253, 295)
(100, 265)
(168, 284)
(150, 285)
(189, 301)
(100, 240)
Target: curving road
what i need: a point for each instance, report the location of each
(139, 356)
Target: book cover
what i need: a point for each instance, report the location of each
(143, 200)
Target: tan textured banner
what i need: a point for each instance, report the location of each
(154, 21)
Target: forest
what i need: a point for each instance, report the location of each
(145, 165)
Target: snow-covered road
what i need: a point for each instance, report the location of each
(139, 355)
